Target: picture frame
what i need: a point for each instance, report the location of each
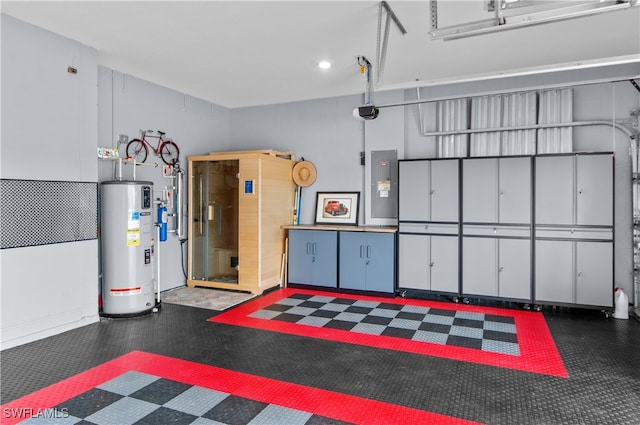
(338, 208)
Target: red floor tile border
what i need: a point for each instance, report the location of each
(335, 405)
(538, 352)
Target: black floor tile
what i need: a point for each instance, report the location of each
(160, 391)
(600, 355)
(235, 411)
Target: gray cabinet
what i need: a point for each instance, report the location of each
(574, 190)
(367, 261)
(524, 228)
(313, 257)
(429, 214)
(574, 272)
(497, 267)
(429, 261)
(496, 228)
(496, 190)
(428, 190)
(574, 229)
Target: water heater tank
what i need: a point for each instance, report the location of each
(127, 238)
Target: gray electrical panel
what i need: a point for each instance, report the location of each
(384, 184)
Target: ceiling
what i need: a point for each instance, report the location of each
(246, 53)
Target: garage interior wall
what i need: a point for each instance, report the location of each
(49, 133)
(51, 128)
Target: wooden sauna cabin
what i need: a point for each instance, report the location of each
(238, 203)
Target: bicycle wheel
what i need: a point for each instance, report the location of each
(137, 150)
(169, 152)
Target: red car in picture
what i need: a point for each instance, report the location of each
(335, 208)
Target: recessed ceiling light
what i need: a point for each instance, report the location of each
(324, 64)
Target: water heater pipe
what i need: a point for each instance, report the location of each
(158, 263)
(178, 200)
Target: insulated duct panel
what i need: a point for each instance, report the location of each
(452, 115)
(485, 113)
(37, 212)
(556, 106)
(519, 109)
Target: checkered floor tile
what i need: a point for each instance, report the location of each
(140, 398)
(146, 388)
(507, 338)
(480, 331)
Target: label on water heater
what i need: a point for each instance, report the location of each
(133, 237)
(133, 228)
(134, 220)
(119, 292)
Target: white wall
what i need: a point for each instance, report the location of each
(49, 121)
(126, 105)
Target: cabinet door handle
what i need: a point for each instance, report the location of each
(368, 251)
(314, 247)
(361, 251)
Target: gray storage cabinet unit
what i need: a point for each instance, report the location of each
(428, 227)
(496, 227)
(313, 258)
(574, 229)
(367, 261)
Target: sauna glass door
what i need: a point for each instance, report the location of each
(214, 215)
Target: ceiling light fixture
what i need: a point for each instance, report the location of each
(324, 64)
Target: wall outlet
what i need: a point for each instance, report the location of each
(123, 138)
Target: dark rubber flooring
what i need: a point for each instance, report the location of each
(601, 356)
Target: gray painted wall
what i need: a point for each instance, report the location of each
(126, 105)
(325, 132)
(49, 122)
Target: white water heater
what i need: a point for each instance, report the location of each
(127, 239)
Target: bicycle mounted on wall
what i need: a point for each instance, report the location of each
(138, 149)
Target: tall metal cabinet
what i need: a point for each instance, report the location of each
(534, 229)
(238, 203)
(428, 211)
(496, 227)
(574, 229)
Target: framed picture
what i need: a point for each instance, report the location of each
(337, 208)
